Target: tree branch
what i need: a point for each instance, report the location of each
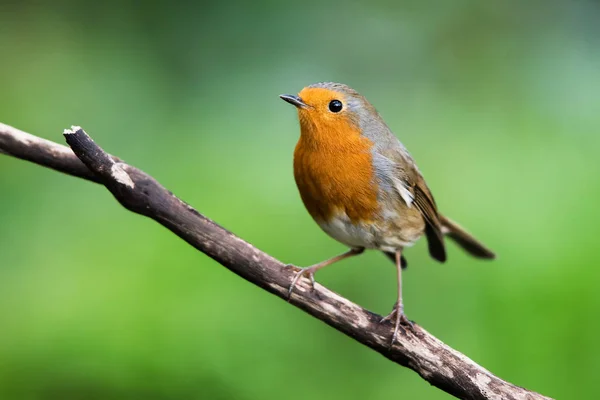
(437, 363)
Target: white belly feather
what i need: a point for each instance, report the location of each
(362, 235)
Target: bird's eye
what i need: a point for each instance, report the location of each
(335, 106)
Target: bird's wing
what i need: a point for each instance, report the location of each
(397, 166)
(433, 228)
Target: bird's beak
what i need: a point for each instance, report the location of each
(295, 100)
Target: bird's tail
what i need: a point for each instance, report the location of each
(464, 239)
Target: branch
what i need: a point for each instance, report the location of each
(25, 146)
(137, 191)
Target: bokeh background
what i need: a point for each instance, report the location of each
(499, 102)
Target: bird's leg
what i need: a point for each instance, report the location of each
(398, 312)
(310, 271)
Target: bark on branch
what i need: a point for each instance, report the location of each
(437, 363)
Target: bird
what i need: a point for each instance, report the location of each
(363, 188)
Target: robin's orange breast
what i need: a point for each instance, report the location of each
(334, 173)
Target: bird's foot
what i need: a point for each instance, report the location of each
(308, 271)
(397, 315)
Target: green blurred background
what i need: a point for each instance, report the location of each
(499, 102)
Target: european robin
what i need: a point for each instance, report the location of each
(362, 187)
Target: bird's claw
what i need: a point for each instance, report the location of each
(302, 271)
(400, 319)
(390, 315)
